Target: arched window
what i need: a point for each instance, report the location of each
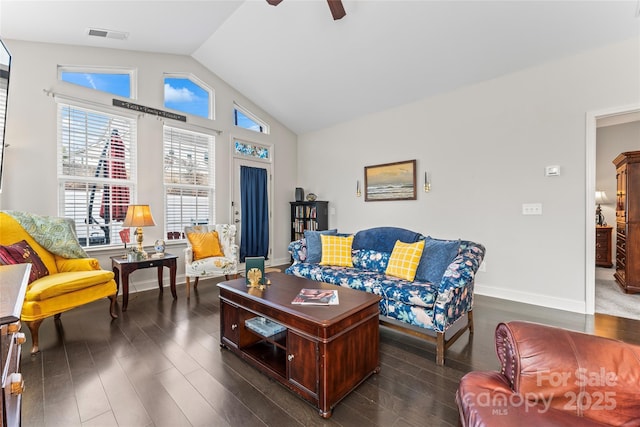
(188, 94)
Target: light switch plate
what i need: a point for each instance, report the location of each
(532, 209)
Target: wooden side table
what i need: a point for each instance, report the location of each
(603, 246)
(123, 267)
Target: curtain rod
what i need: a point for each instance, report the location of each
(187, 126)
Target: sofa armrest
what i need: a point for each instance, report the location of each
(462, 270)
(455, 293)
(76, 264)
(298, 250)
(485, 399)
(232, 251)
(578, 373)
(188, 255)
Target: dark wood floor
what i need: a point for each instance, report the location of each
(160, 364)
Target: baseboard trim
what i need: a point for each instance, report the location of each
(575, 306)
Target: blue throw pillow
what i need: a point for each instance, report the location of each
(314, 245)
(436, 257)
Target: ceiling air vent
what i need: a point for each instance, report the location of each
(108, 34)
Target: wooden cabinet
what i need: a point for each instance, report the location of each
(308, 216)
(13, 285)
(628, 221)
(603, 246)
(287, 354)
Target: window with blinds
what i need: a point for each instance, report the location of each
(96, 172)
(188, 180)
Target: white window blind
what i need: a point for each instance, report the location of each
(96, 172)
(188, 180)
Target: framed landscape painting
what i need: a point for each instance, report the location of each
(390, 181)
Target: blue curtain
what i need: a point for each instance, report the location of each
(254, 238)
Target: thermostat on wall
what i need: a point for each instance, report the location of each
(552, 171)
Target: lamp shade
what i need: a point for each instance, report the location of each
(138, 216)
(601, 198)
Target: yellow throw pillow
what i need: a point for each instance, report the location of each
(205, 245)
(336, 250)
(404, 260)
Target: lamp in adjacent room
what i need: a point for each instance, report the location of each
(601, 198)
(138, 216)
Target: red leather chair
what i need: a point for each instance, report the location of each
(553, 377)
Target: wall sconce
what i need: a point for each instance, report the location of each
(427, 183)
(358, 192)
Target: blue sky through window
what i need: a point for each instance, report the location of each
(184, 95)
(117, 84)
(245, 122)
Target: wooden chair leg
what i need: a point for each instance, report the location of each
(440, 348)
(112, 306)
(195, 283)
(33, 327)
(470, 321)
(188, 282)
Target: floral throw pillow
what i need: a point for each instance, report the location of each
(368, 259)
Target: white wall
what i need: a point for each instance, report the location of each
(486, 147)
(29, 182)
(610, 142)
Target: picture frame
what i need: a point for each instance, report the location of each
(390, 181)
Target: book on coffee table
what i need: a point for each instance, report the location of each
(264, 327)
(316, 297)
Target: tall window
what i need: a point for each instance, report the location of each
(96, 172)
(245, 119)
(116, 81)
(188, 180)
(188, 95)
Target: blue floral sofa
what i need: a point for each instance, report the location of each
(440, 295)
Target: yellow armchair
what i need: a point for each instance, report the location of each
(70, 282)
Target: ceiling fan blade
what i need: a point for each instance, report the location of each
(274, 2)
(337, 9)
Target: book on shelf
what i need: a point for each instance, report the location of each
(317, 297)
(264, 327)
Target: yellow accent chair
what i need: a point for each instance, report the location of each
(70, 282)
(205, 257)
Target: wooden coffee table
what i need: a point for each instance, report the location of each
(323, 352)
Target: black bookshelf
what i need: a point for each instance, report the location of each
(308, 216)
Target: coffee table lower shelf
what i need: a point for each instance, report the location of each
(321, 359)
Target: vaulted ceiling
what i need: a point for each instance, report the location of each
(311, 72)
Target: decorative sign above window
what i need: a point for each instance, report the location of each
(149, 110)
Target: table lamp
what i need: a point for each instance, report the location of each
(138, 216)
(601, 197)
